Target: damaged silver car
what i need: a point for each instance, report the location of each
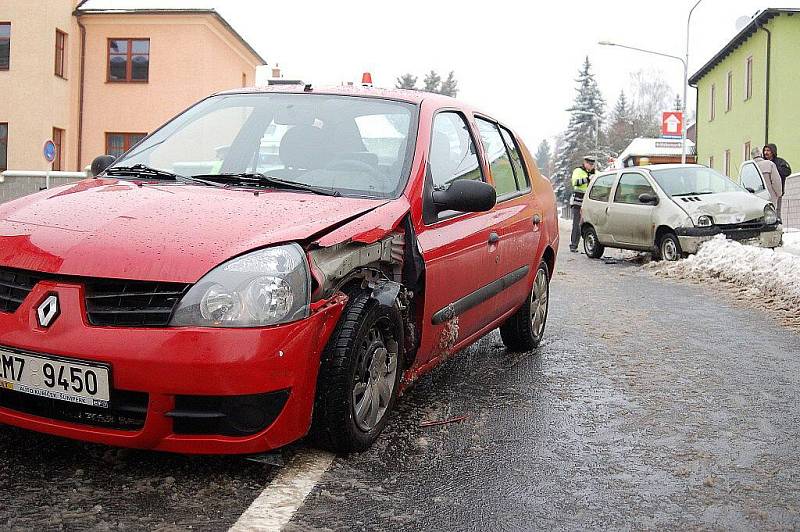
(670, 210)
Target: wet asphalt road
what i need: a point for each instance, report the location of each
(651, 404)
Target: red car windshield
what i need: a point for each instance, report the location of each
(353, 145)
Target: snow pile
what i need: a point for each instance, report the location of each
(775, 274)
(791, 241)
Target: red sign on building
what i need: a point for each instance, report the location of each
(671, 124)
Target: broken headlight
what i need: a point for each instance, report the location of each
(705, 221)
(266, 287)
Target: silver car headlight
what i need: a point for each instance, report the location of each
(705, 221)
(266, 287)
(770, 215)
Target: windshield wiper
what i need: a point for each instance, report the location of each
(693, 193)
(259, 179)
(141, 170)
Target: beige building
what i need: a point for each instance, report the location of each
(96, 80)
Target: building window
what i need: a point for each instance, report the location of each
(711, 161)
(748, 78)
(119, 143)
(727, 163)
(3, 146)
(712, 109)
(5, 45)
(729, 92)
(128, 60)
(58, 140)
(244, 79)
(61, 56)
(747, 148)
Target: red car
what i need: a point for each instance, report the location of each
(271, 262)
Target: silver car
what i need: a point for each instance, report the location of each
(671, 209)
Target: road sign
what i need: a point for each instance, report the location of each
(49, 151)
(671, 124)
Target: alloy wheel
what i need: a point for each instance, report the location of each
(375, 376)
(540, 299)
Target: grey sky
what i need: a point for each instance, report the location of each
(515, 60)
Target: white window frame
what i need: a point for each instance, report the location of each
(727, 162)
(712, 108)
(748, 77)
(729, 91)
(746, 147)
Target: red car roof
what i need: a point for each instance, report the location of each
(406, 95)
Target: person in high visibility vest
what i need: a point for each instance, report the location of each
(581, 177)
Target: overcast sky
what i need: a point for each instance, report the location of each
(517, 60)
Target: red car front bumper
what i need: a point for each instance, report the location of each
(166, 363)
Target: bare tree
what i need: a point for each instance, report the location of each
(650, 95)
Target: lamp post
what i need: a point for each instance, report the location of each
(685, 76)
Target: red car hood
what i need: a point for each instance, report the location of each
(117, 229)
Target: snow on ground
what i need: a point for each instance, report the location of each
(758, 274)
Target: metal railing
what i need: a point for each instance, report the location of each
(18, 183)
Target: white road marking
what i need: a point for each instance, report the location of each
(285, 494)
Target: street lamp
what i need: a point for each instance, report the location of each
(685, 81)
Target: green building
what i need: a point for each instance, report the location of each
(747, 94)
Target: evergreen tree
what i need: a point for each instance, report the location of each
(543, 157)
(432, 81)
(406, 81)
(449, 86)
(621, 131)
(582, 135)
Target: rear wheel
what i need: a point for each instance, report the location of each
(670, 247)
(359, 376)
(524, 330)
(591, 245)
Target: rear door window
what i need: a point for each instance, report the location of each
(601, 190)
(631, 186)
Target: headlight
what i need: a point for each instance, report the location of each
(770, 215)
(265, 287)
(705, 221)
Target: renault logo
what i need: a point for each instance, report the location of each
(48, 310)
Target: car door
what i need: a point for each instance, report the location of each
(750, 178)
(630, 222)
(596, 204)
(517, 214)
(458, 248)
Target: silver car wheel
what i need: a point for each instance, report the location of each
(375, 379)
(669, 250)
(590, 242)
(540, 299)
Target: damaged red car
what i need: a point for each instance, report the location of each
(268, 264)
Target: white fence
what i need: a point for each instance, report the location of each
(18, 183)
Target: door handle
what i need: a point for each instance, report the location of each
(537, 219)
(494, 238)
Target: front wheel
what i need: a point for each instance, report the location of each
(670, 247)
(524, 330)
(359, 376)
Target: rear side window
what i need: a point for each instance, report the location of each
(523, 181)
(506, 169)
(453, 154)
(630, 187)
(751, 178)
(602, 188)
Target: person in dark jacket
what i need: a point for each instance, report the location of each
(771, 154)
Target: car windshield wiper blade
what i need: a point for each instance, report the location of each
(694, 193)
(256, 178)
(141, 170)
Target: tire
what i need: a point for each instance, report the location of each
(591, 245)
(669, 247)
(524, 330)
(361, 360)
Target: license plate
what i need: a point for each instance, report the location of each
(64, 380)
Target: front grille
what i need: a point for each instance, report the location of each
(15, 285)
(127, 410)
(111, 302)
(744, 226)
(742, 235)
